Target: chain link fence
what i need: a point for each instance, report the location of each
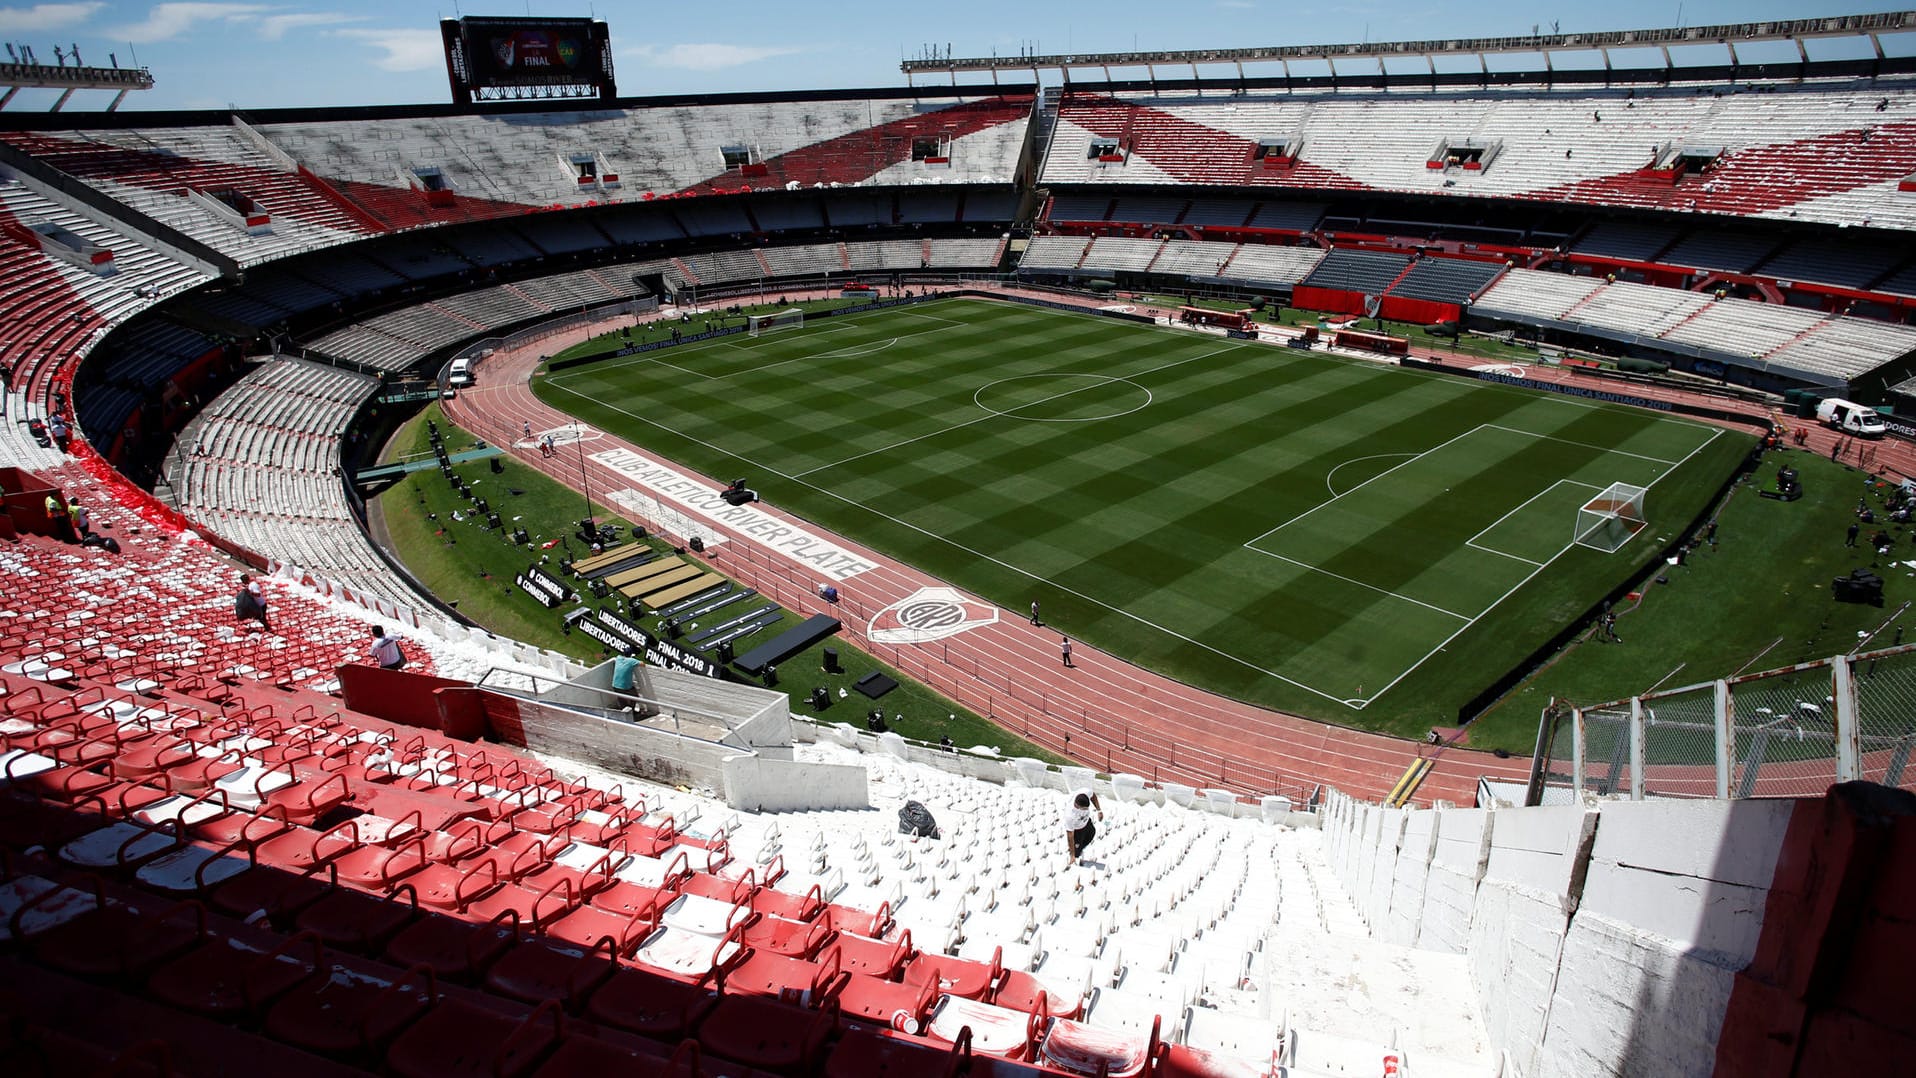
(1782, 733)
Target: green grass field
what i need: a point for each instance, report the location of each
(1359, 543)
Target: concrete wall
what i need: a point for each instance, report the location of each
(1458, 859)
(1672, 908)
(767, 784)
(1409, 876)
(622, 748)
(1529, 890)
(1602, 940)
(752, 717)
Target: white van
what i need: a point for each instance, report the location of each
(461, 373)
(1850, 416)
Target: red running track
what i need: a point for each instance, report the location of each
(1104, 713)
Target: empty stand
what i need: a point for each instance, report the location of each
(156, 170)
(1367, 272)
(1797, 343)
(1823, 153)
(260, 466)
(1445, 280)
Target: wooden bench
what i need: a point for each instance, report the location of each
(672, 575)
(610, 557)
(604, 565)
(685, 590)
(642, 573)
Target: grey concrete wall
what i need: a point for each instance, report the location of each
(1601, 939)
(767, 784)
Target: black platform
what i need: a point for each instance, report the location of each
(875, 684)
(787, 644)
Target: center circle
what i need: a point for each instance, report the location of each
(1061, 398)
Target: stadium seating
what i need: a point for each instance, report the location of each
(153, 171)
(1806, 153)
(1117, 253)
(804, 260)
(262, 470)
(1271, 266)
(1851, 264)
(363, 894)
(1445, 280)
(1724, 250)
(1367, 272)
(1192, 258)
(1627, 240)
(1055, 253)
(1802, 344)
(508, 167)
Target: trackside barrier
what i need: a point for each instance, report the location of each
(1791, 732)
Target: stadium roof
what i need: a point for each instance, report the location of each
(1866, 26)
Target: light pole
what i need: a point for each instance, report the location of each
(585, 485)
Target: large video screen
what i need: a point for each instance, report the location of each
(505, 52)
(533, 51)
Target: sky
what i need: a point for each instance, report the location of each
(216, 54)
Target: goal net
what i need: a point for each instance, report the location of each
(1608, 521)
(790, 318)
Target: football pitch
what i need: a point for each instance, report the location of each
(1360, 543)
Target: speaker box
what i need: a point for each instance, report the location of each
(698, 545)
(493, 522)
(520, 537)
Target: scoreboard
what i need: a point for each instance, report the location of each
(503, 59)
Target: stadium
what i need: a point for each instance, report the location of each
(1263, 442)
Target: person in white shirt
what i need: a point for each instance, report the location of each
(1078, 828)
(386, 651)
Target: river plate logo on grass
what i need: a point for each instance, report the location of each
(929, 614)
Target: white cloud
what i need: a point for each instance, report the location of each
(713, 57)
(274, 27)
(45, 16)
(167, 21)
(405, 50)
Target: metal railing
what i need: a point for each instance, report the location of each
(1791, 732)
(537, 688)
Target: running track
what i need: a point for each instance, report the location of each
(1105, 713)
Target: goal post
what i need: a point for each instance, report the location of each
(789, 318)
(1612, 518)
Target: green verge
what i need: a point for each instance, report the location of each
(1132, 479)
(464, 563)
(1759, 601)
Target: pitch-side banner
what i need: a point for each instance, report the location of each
(782, 537)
